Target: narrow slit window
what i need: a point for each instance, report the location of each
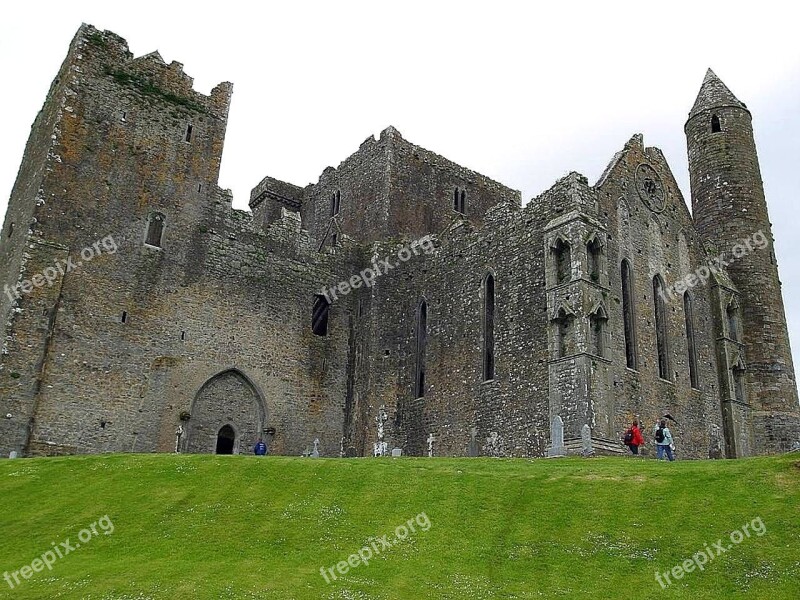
(319, 315)
(733, 322)
(155, 230)
(662, 345)
(124, 317)
(455, 200)
(189, 129)
(738, 384)
(628, 315)
(488, 327)
(593, 254)
(422, 343)
(716, 127)
(462, 206)
(691, 348)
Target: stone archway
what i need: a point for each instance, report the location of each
(228, 410)
(226, 440)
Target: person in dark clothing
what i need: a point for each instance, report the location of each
(260, 449)
(664, 441)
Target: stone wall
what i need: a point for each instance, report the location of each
(208, 325)
(659, 242)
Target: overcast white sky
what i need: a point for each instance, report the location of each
(521, 92)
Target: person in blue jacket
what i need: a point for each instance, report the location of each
(260, 449)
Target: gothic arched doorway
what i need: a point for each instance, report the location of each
(227, 415)
(225, 440)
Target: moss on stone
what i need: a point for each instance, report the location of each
(148, 88)
(96, 39)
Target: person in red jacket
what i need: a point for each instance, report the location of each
(633, 438)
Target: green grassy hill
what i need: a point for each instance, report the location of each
(245, 527)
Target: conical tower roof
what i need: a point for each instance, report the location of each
(713, 93)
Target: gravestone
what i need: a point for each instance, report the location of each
(586, 441)
(557, 438)
(315, 452)
(397, 452)
(431, 439)
(13, 454)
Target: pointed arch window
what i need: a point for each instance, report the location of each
(716, 126)
(488, 327)
(597, 331)
(422, 342)
(564, 333)
(562, 256)
(662, 345)
(691, 348)
(629, 315)
(155, 230)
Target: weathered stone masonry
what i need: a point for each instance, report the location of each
(202, 318)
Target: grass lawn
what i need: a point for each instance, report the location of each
(216, 527)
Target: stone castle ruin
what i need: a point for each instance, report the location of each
(142, 313)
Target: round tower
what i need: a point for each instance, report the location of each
(730, 211)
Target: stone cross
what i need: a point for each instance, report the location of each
(315, 452)
(586, 441)
(380, 420)
(431, 439)
(557, 438)
(178, 435)
(381, 447)
(472, 449)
